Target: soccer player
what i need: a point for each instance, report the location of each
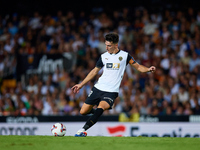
(106, 90)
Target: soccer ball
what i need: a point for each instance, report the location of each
(58, 129)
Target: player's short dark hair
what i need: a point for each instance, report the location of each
(112, 37)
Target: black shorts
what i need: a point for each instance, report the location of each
(96, 96)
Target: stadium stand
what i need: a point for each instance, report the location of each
(42, 55)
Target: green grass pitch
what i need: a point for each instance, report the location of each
(97, 143)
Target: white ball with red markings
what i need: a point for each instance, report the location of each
(58, 129)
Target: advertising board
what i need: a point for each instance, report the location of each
(180, 129)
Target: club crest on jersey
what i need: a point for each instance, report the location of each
(113, 66)
(120, 58)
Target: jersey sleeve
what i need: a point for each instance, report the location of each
(130, 60)
(99, 63)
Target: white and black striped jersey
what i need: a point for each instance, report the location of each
(114, 66)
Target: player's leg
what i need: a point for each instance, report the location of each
(103, 105)
(92, 99)
(86, 109)
(105, 101)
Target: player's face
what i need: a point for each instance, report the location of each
(110, 47)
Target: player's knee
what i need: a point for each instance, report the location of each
(102, 108)
(82, 112)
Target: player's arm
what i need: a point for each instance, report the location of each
(139, 67)
(89, 77)
(142, 68)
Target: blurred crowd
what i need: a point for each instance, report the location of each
(169, 40)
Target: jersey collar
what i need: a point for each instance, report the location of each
(116, 53)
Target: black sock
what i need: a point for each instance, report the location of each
(93, 119)
(91, 111)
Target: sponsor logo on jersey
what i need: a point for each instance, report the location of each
(113, 66)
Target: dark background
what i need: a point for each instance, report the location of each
(27, 7)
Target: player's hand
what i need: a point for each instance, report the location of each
(76, 88)
(152, 69)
